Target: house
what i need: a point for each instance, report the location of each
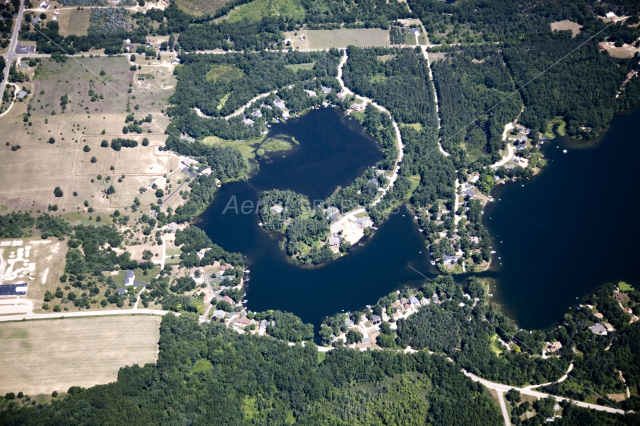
(277, 208)
(129, 279)
(36, 20)
(55, 12)
(129, 47)
(365, 340)
(122, 291)
(599, 315)
(54, 18)
(248, 122)
(434, 298)
(610, 15)
(414, 31)
(256, 113)
(425, 302)
(219, 314)
(374, 181)
(348, 322)
(147, 45)
(173, 226)
(311, 93)
(376, 319)
(469, 192)
(326, 90)
(403, 301)
(228, 299)
(334, 241)
(359, 107)
(414, 301)
(448, 260)
(510, 166)
(264, 324)
(521, 139)
(301, 37)
(364, 222)
(521, 147)
(175, 62)
(206, 171)
(406, 306)
(598, 329)
(243, 322)
(609, 327)
(555, 346)
(279, 104)
(619, 297)
(331, 211)
(342, 96)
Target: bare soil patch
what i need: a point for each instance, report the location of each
(566, 25)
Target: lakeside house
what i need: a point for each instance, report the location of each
(448, 260)
(279, 104)
(219, 314)
(414, 301)
(247, 121)
(243, 322)
(256, 113)
(598, 329)
(276, 208)
(599, 315)
(311, 93)
(326, 90)
(376, 319)
(264, 324)
(374, 181)
(555, 346)
(359, 107)
(334, 241)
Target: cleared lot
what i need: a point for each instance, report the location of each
(36, 354)
(325, 39)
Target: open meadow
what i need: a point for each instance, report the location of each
(43, 356)
(326, 39)
(201, 7)
(60, 145)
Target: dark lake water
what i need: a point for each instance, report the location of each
(566, 232)
(333, 151)
(570, 229)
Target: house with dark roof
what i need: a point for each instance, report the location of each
(598, 329)
(414, 31)
(122, 291)
(21, 94)
(376, 319)
(264, 324)
(414, 301)
(326, 89)
(374, 181)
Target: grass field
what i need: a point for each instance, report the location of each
(560, 127)
(224, 73)
(36, 354)
(30, 174)
(625, 287)
(258, 9)
(74, 22)
(201, 7)
(325, 39)
(297, 67)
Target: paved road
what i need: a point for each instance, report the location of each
(505, 388)
(90, 313)
(12, 47)
(346, 90)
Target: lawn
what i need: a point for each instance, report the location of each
(224, 73)
(43, 356)
(559, 129)
(625, 287)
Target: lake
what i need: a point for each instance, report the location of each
(333, 151)
(570, 229)
(565, 232)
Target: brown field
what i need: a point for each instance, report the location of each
(30, 174)
(201, 7)
(434, 56)
(325, 39)
(43, 356)
(566, 25)
(72, 21)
